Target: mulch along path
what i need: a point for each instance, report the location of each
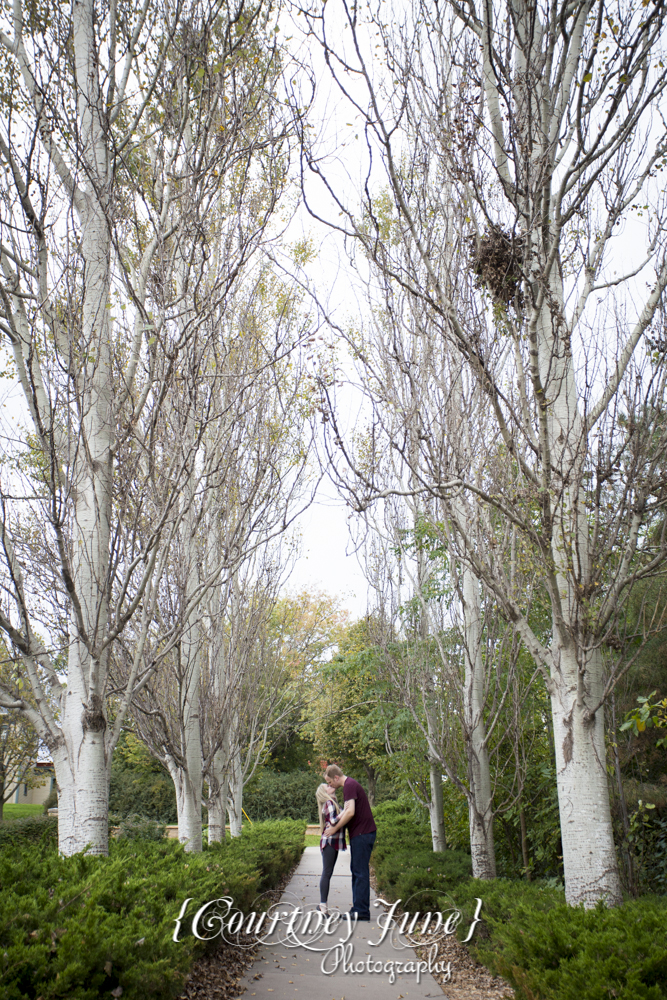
(217, 976)
(469, 979)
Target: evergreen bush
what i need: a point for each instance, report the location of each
(544, 948)
(405, 866)
(140, 828)
(282, 795)
(141, 789)
(85, 926)
(568, 953)
(29, 830)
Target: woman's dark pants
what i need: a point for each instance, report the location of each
(329, 858)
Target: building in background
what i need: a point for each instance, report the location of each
(35, 792)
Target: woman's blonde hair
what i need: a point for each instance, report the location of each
(324, 794)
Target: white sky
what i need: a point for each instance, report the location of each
(328, 562)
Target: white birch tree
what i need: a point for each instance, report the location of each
(553, 144)
(249, 480)
(122, 133)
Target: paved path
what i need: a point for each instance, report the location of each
(283, 972)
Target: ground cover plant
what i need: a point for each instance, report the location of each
(405, 866)
(28, 829)
(13, 810)
(91, 927)
(546, 949)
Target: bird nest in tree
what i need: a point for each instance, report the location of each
(497, 260)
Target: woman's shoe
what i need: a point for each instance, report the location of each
(323, 908)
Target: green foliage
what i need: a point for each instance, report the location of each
(405, 866)
(647, 839)
(292, 753)
(539, 802)
(282, 795)
(457, 823)
(85, 925)
(546, 949)
(500, 899)
(140, 828)
(348, 725)
(527, 934)
(647, 715)
(557, 952)
(139, 785)
(35, 829)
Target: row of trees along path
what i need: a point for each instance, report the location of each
(512, 364)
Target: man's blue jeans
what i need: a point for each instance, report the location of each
(360, 855)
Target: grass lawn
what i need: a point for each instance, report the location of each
(18, 811)
(312, 840)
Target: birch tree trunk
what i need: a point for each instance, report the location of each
(435, 802)
(577, 673)
(82, 769)
(218, 794)
(235, 800)
(436, 808)
(189, 787)
(480, 802)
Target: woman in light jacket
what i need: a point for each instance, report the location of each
(328, 811)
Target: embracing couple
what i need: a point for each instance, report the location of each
(357, 819)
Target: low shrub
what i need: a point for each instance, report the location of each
(419, 878)
(85, 926)
(144, 789)
(501, 898)
(404, 864)
(558, 952)
(546, 949)
(140, 828)
(29, 830)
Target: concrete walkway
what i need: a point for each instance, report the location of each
(290, 968)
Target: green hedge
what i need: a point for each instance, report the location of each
(146, 790)
(548, 950)
(282, 795)
(404, 864)
(544, 948)
(84, 926)
(29, 830)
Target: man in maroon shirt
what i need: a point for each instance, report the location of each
(358, 818)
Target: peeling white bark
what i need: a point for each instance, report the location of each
(589, 855)
(188, 807)
(480, 800)
(436, 809)
(218, 794)
(235, 800)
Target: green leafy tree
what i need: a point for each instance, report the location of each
(349, 713)
(19, 742)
